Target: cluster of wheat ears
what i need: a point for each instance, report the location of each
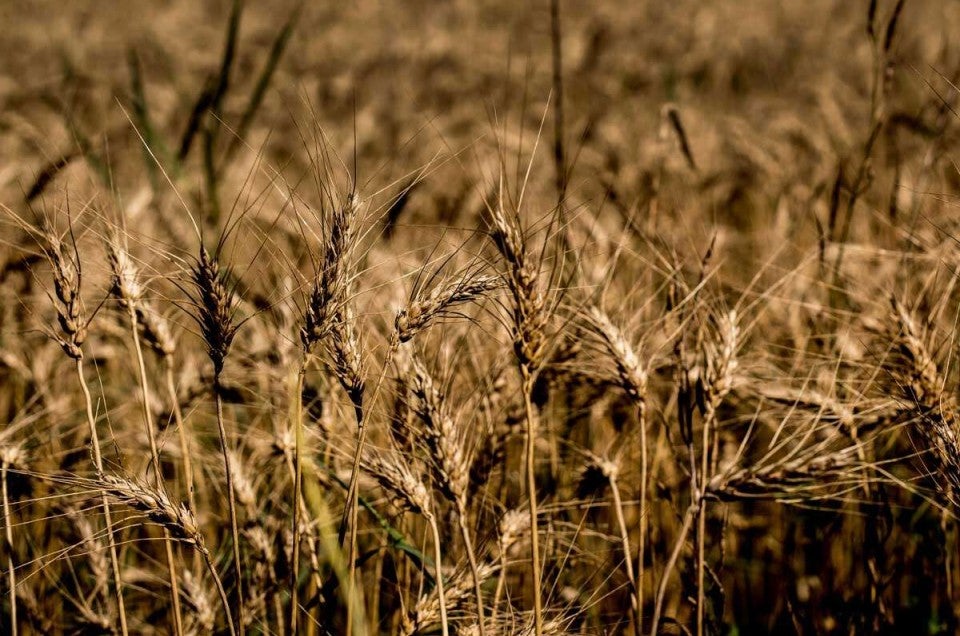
(274, 417)
(508, 430)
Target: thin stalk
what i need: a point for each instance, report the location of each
(472, 558)
(108, 520)
(352, 503)
(437, 556)
(222, 592)
(949, 537)
(303, 513)
(231, 499)
(353, 508)
(373, 609)
(625, 543)
(642, 412)
(182, 435)
(498, 592)
(11, 572)
(531, 424)
(278, 612)
(155, 458)
(297, 495)
(701, 518)
(671, 564)
(559, 150)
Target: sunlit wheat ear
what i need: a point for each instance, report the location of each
(444, 438)
(243, 487)
(155, 505)
(529, 324)
(66, 287)
(808, 474)
(450, 456)
(425, 309)
(722, 358)
(426, 614)
(329, 322)
(919, 376)
(631, 374)
(94, 552)
(215, 308)
(330, 289)
(346, 354)
(198, 599)
(263, 580)
(550, 627)
(395, 476)
(126, 287)
(513, 528)
(922, 387)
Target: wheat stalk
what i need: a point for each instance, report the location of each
(67, 278)
(127, 289)
(215, 315)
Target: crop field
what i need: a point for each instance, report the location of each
(479, 318)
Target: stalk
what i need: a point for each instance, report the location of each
(531, 425)
(472, 558)
(182, 435)
(108, 520)
(353, 508)
(231, 499)
(155, 458)
(498, 592)
(643, 514)
(11, 572)
(297, 495)
(671, 564)
(437, 555)
(625, 543)
(222, 592)
(701, 519)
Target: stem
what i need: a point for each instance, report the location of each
(353, 509)
(437, 555)
(352, 503)
(108, 520)
(472, 558)
(184, 442)
(231, 499)
(625, 542)
(216, 580)
(559, 151)
(297, 486)
(182, 433)
(501, 582)
(702, 516)
(532, 495)
(642, 416)
(155, 458)
(671, 563)
(12, 575)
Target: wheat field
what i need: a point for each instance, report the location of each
(479, 318)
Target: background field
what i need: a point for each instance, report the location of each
(702, 255)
